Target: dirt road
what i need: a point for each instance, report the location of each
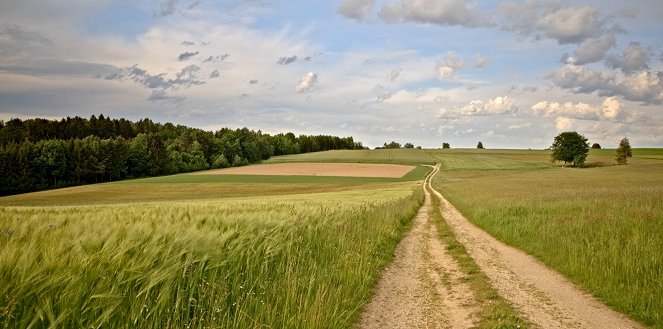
(412, 292)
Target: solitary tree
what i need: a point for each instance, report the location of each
(446, 146)
(623, 151)
(480, 146)
(596, 146)
(570, 147)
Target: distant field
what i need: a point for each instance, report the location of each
(397, 156)
(599, 226)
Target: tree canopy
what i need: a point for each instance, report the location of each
(623, 151)
(570, 147)
(480, 146)
(36, 154)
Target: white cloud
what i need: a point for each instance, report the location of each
(356, 9)
(440, 12)
(564, 124)
(448, 65)
(611, 109)
(498, 105)
(308, 81)
(643, 86)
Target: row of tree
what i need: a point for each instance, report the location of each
(396, 145)
(37, 154)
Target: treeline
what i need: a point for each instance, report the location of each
(37, 154)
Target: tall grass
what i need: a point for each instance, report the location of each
(601, 227)
(272, 262)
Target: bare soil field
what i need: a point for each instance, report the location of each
(318, 169)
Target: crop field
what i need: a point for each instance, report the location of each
(600, 226)
(397, 156)
(188, 251)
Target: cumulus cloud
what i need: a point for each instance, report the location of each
(565, 23)
(286, 60)
(499, 105)
(643, 86)
(592, 50)
(439, 12)
(308, 81)
(356, 9)
(634, 58)
(564, 124)
(611, 109)
(186, 55)
(448, 65)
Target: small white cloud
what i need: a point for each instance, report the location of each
(564, 124)
(309, 80)
(499, 105)
(448, 65)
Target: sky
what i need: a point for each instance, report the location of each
(512, 74)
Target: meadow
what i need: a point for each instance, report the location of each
(201, 251)
(599, 226)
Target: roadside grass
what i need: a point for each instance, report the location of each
(296, 261)
(395, 156)
(601, 227)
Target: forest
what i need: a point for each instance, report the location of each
(38, 154)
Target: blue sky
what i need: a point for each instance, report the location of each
(512, 74)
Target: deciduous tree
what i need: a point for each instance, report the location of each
(570, 147)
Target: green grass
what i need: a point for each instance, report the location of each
(396, 156)
(295, 261)
(600, 226)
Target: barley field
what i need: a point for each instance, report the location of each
(177, 254)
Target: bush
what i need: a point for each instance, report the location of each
(596, 146)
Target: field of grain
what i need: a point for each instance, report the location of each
(201, 251)
(599, 226)
(397, 156)
(318, 169)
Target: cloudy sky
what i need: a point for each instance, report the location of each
(507, 73)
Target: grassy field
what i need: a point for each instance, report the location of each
(600, 226)
(396, 156)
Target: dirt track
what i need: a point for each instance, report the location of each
(406, 294)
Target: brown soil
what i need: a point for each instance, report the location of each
(424, 288)
(318, 169)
